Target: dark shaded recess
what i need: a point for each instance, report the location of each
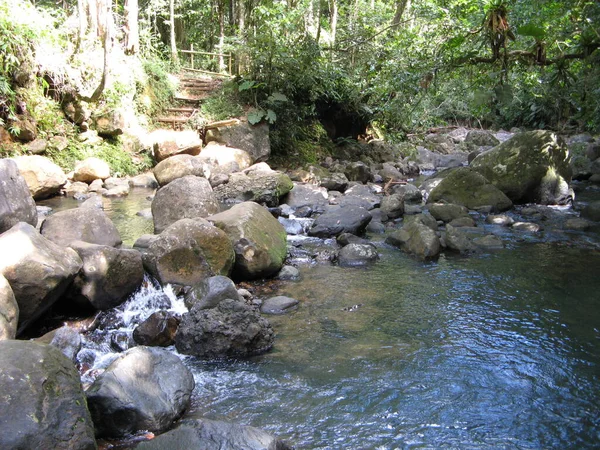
(340, 121)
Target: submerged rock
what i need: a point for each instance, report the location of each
(43, 406)
(355, 255)
(232, 328)
(146, 388)
(278, 305)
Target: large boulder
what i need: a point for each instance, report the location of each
(258, 239)
(108, 275)
(223, 155)
(178, 166)
(358, 171)
(531, 167)
(253, 139)
(16, 202)
(210, 292)
(200, 433)
(232, 329)
(167, 143)
(184, 198)
(91, 169)
(416, 238)
(43, 406)
(339, 220)
(307, 195)
(9, 311)
(463, 186)
(260, 187)
(90, 225)
(146, 388)
(481, 138)
(38, 270)
(189, 251)
(43, 177)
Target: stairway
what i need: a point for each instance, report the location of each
(190, 94)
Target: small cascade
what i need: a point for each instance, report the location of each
(113, 330)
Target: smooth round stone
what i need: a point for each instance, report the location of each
(278, 305)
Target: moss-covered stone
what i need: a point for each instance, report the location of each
(463, 186)
(518, 166)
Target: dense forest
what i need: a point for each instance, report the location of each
(313, 69)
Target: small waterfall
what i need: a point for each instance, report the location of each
(113, 331)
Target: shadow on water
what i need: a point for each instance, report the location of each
(493, 351)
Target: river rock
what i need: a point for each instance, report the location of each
(43, 177)
(528, 227)
(77, 190)
(500, 219)
(258, 239)
(9, 311)
(307, 195)
(458, 240)
(428, 160)
(184, 198)
(531, 167)
(209, 292)
(358, 171)
(146, 388)
(110, 123)
(416, 238)
(354, 255)
(253, 139)
(43, 406)
(463, 186)
(144, 180)
(462, 222)
(38, 270)
(360, 195)
(260, 187)
(16, 202)
(335, 181)
(488, 242)
(231, 329)
(189, 251)
(288, 273)
(393, 205)
(481, 138)
(91, 169)
(158, 330)
(577, 224)
(68, 340)
(178, 166)
(200, 433)
(447, 212)
(222, 155)
(108, 275)
(340, 220)
(592, 211)
(278, 305)
(167, 143)
(90, 225)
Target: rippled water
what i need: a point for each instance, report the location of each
(493, 351)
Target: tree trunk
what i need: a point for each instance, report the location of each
(400, 8)
(106, 13)
(132, 35)
(334, 19)
(318, 21)
(174, 56)
(221, 34)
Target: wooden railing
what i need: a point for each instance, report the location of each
(192, 52)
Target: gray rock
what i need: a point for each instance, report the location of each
(9, 311)
(358, 171)
(366, 195)
(223, 155)
(253, 139)
(260, 187)
(66, 339)
(210, 292)
(461, 222)
(167, 143)
(278, 305)
(335, 181)
(577, 224)
(91, 169)
(107, 277)
(417, 239)
(146, 388)
(39, 273)
(288, 273)
(184, 198)
(232, 328)
(16, 202)
(110, 123)
(526, 226)
(158, 330)
(393, 205)
(144, 180)
(201, 433)
(188, 252)
(43, 406)
(501, 219)
(43, 177)
(341, 220)
(447, 212)
(488, 242)
(355, 255)
(77, 189)
(258, 239)
(349, 238)
(481, 138)
(531, 167)
(81, 224)
(592, 211)
(178, 166)
(458, 240)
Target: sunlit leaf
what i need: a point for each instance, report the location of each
(532, 30)
(245, 85)
(255, 116)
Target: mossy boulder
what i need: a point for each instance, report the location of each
(531, 167)
(466, 187)
(258, 239)
(265, 187)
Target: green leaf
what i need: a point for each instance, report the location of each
(245, 85)
(529, 29)
(277, 97)
(255, 116)
(455, 42)
(271, 116)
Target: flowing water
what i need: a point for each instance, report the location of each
(492, 351)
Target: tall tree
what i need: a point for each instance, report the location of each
(174, 56)
(132, 35)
